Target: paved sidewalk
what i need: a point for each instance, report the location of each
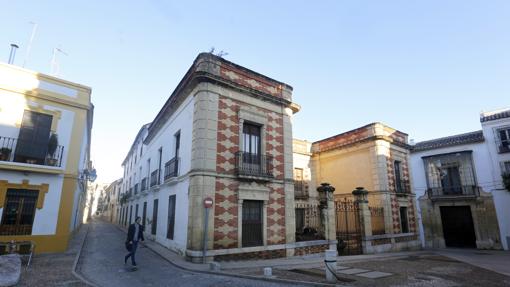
(494, 260)
(102, 262)
(54, 269)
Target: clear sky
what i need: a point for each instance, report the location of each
(426, 68)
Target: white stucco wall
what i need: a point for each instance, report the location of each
(45, 220)
(181, 121)
(501, 195)
(482, 168)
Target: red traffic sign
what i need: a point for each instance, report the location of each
(208, 202)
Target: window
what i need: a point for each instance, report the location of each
(130, 214)
(404, 225)
(144, 213)
(177, 143)
(34, 135)
(300, 219)
(136, 211)
(399, 186)
(252, 223)
(505, 167)
(450, 174)
(504, 140)
(154, 225)
(251, 141)
(160, 151)
(19, 212)
(171, 217)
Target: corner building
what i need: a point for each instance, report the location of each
(225, 133)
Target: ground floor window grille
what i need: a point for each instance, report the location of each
(252, 223)
(19, 212)
(403, 220)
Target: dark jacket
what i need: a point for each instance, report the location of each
(131, 233)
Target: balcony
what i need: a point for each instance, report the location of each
(504, 147)
(402, 187)
(16, 150)
(457, 192)
(154, 178)
(300, 189)
(136, 188)
(172, 168)
(143, 186)
(254, 166)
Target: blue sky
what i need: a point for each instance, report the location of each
(424, 67)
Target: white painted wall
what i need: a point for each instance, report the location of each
(501, 195)
(45, 220)
(181, 120)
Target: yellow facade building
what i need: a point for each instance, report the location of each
(45, 132)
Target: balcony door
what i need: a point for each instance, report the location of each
(33, 138)
(450, 180)
(251, 144)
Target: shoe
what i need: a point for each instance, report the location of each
(125, 260)
(134, 264)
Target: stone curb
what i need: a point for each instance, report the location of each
(77, 258)
(260, 278)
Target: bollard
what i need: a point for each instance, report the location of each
(330, 263)
(268, 272)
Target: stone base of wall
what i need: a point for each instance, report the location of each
(268, 254)
(311, 250)
(391, 243)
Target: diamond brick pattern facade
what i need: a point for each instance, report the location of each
(395, 213)
(225, 214)
(276, 215)
(226, 197)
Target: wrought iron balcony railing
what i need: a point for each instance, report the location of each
(454, 192)
(16, 150)
(300, 189)
(172, 168)
(254, 165)
(155, 178)
(402, 187)
(143, 186)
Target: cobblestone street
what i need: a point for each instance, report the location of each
(102, 262)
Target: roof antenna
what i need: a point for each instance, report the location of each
(27, 54)
(219, 54)
(55, 67)
(13, 53)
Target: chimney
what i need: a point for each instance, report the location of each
(13, 53)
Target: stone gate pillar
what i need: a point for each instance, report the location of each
(365, 219)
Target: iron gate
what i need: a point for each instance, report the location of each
(348, 227)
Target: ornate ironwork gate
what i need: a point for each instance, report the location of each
(348, 227)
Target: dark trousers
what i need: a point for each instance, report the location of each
(132, 253)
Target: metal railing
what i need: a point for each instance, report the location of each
(256, 165)
(172, 168)
(300, 189)
(143, 186)
(16, 150)
(454, 192)
(155, 178)
(402, 186)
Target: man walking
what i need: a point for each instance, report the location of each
(135, 234)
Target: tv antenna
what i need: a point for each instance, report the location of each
(55, 67)
(219, 54)
(29, 46)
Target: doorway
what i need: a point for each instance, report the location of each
(458, 227)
